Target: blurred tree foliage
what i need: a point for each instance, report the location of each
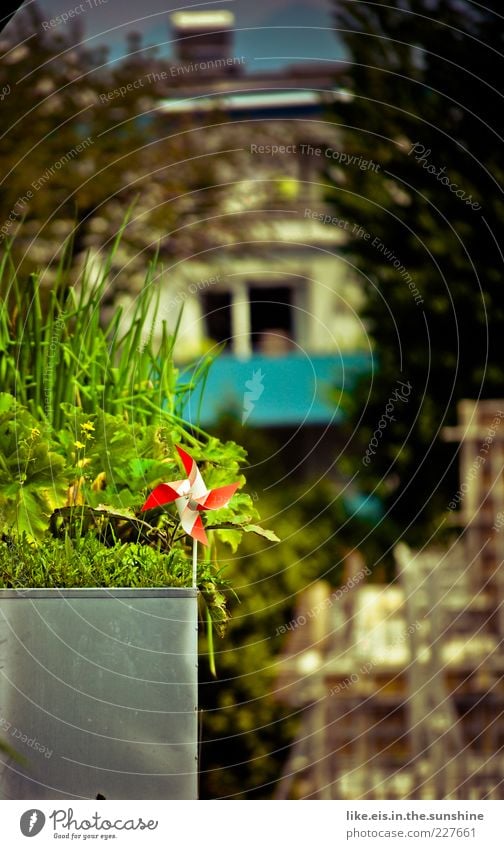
(77, 151)
(423, 106)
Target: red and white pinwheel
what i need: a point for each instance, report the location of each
(191, 497)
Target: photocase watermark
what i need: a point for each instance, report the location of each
(6, 90)
(16, 212)
(478, 461)
(421, 156)
(19, 735)
(192, 289)
(52, 354)
(359, 232)
(173, 72)
(67, 157)
(255, 389)
(273, 149)
(499, 521)
(72, 13)
(326, 603)
(192, 67)
(122, 91)
(176, 302)
(64, 820)
(342, 223)
(22, 202)
(338, 156)
(32, 822)
(87, 827)
(397, 395)
(393, 259)
(367, 667)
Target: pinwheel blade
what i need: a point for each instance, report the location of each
(191, 522)
(162, 494)
(219, 497)
(187, 461)
(198, 488)
(198, 532)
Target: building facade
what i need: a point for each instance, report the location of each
(272, 291)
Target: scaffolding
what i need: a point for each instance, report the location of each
(402, 685)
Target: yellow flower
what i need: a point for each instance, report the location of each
(35, 432)
(79, 445)
(86, 429)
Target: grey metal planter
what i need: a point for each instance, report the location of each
(98, 693)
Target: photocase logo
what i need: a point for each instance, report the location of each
(255, 390)
(32, 822)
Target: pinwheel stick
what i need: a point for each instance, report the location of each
(194, 562)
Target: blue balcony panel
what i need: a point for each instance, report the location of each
(288, 390)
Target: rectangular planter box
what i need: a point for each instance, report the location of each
(98, 693)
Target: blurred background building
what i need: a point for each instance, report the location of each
(279, 299)
(401, 685)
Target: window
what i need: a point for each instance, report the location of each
(271, 320)
(251, 317)
(217, 313)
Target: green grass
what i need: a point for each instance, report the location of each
(55, 349)
(88, 563)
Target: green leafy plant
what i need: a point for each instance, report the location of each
(89, 418)
(83, 486)
(32, 479)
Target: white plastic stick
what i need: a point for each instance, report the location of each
(195, 562)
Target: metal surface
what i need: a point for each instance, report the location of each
(98, 693)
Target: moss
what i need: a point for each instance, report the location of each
(87, 563)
